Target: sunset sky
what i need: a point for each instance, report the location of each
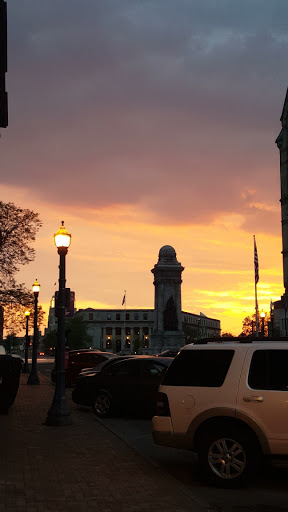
(142, 123)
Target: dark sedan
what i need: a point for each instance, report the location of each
(128, 385)
(96, 369)
(79, 359)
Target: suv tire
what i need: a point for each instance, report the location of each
(102, 405)
(227, 457)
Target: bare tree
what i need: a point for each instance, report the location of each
(18, 229)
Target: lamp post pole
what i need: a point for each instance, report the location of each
(33, 377)
(262, 314)
(26, 365)
(59, 413)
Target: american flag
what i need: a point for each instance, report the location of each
(256, 263)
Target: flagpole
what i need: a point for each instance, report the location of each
(256, 279)
(256, 309)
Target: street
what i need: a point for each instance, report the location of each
(267, 493)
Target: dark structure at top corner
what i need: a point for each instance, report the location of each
(3, 65)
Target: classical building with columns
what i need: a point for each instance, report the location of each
(119, 330)
(124, 330)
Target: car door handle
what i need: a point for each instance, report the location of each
(253, 398)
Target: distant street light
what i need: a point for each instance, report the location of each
(262, 314)
(58, 413)
(26, 365)
(33, 377)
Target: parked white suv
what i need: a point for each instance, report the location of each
(229, 403)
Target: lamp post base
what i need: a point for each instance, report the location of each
(33, 379)
(58, 414)
(58, 420)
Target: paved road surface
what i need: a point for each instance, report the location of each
(268, 493)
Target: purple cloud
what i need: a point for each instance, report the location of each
(175, 106)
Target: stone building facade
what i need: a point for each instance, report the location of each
(120, 330)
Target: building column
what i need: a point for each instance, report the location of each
(160, 306)
(104, 338)
(149, 336)
(123, 338)
(113, 340)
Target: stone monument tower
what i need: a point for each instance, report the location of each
(167, 332)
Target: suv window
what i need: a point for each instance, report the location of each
(269, 370)
(205, 368)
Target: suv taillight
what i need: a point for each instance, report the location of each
(162, 405)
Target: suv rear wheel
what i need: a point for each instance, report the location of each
(102, 405)
(227, 457)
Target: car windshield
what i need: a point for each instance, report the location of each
(99, 367)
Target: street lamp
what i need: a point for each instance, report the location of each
(33, 377)
(262, 314)
(26, 365)
(58, 413)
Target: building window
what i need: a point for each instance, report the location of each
(109, 331)
(118, 331)
(117, 316)
(108, 316)
(90, 316)
(136, 316)
(127, 316)
(145, 316)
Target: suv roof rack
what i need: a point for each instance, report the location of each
(239, 339)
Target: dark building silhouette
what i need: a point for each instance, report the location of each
(279, 309)
(3, 65)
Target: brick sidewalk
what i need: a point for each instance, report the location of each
(77, 468)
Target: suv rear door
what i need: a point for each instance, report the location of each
(263, 394)
(199, 380)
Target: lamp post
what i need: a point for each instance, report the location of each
(58, 413)
(26, 365)
(33, 377)
(262, 314)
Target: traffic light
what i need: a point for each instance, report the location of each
(3, 65)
